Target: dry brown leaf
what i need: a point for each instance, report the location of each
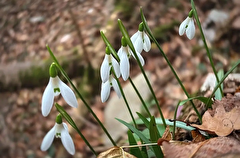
(115, 152)
(215, 147)
(167, 135)
(222, 122)
(197, 136)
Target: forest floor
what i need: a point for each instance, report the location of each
(72, 27)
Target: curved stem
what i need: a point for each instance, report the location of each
(79, 95)
(205, 43)
(169, 64)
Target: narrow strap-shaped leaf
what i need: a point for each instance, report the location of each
(201, 98)
(134, 151)
(145, 121)
(218, 94)
(179, 124)
(154, 136)
(136, 131)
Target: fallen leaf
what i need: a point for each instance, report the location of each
(214, 147)
(197, 136)
(222, 123)
(167, 135)
(115, 152)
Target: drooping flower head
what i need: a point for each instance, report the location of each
(54, 88)
(109, 62)
(59, 130)
(106, 87)
(188, 26)
(140, 40)
(124, 54)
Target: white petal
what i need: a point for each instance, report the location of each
(141, 59)
(104, 70)
(135, 36)
(67, 141)
(55, 85)
(116, 87)
(47, 99)
(116, 67)
(190, 32)
(183, 25)
(138, 44)
(146, 43)
(48, 139)
(124, 66)
(209, 82)
(120, 52)
(105, 91)
(68, 94)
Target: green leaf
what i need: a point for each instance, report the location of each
(218, 94)
(201, 98)
(134, 150)
(145, 121)
(154, 136)
(140, 135)
(179, 124)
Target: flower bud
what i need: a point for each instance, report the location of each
(53, 71)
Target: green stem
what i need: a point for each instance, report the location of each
(140, 97)
(129, 42)
(125, 100)
(169, 64)
(79, 95)
(174, 119)
(205, 43)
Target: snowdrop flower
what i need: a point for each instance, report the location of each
(188, 26)
(124, 54)
(105, 89)
(140, 40)
(209, 82)
(59, 130)
(108, 63)
(54, 88)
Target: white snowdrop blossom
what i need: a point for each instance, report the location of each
(54, 88)
(187, 26)
(124, 54)
(108, 63)
(209, 83)
(141, 41)
(60, 131)
(106, 87)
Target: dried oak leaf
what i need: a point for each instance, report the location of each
(222, 123)
(115, 152)
(215, 147)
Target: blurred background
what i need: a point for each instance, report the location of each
(71, 29)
